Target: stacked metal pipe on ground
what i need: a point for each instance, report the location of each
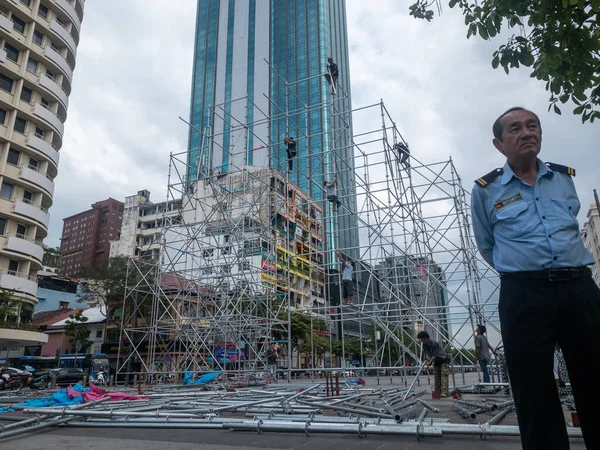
(276, 408)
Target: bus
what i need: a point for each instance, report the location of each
(93, 362)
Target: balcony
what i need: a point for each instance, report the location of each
(59, 61)
(33, 175)
(69, 10)
(55, 89)
(64, 35)
(34, 212)
(47, 115)
(5, 23)
(44, 147)
(18, 281)
(26, 246)
(2, 55)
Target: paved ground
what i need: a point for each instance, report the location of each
(155, 439)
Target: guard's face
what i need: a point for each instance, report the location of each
(521, 136)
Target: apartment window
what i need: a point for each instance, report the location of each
(21, 230)
(26, 3)
(6, 190)
(43, 11)
(50, 74)
(2, 116)
(38, 38)
(26, 94)
(27, 196)
(40, 133)
(12, 53)
(45, 103)
(33, 163)
(18, 24)
(20, 124)
(98, 334)
(13, 267)
(13, 157)
(2, 226)
(6, 83)
(32, 65)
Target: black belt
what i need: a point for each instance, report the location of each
(552, 274)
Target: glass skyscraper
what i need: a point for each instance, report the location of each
(261, 63)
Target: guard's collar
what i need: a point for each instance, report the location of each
(508, 173)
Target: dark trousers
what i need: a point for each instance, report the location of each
(334, 199)
(535, 314)
(290, 158)
(484, 370)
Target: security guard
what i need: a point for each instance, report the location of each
(525, 224)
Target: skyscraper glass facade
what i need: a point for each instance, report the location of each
(233, 84)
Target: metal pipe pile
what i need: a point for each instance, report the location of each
(276, 408)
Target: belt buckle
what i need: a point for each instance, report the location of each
(560, 275)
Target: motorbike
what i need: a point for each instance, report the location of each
(11, 380)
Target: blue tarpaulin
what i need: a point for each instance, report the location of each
(59, 398)
(204, 379)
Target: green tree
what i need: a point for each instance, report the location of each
(558, 39)
(106, 282)
(14, 313)
(78, 331)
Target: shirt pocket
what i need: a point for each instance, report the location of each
(565, 211)
(510, 220)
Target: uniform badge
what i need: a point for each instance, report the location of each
(507, 201)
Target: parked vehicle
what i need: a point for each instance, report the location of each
(64, 376)
(13, 378)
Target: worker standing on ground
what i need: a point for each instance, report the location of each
(330, 192)
(482, 351)
(332, 74)
(272, 356)
(525, 225)
(291, 151)
(438, 357)
(347, 280)
(403, 153)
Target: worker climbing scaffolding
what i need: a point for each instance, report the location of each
(332, 75)
(403, 153)
(291, 151)
(330, 191)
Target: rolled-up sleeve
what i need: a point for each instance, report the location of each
(482, 227)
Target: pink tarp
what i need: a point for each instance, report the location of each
(96, 393)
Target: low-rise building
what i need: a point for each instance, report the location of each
(591, 239)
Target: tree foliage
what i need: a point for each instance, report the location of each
(558, 39)
(14, 313)
(78, 331)
(106, 282)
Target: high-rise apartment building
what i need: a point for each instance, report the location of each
(38, 47)
(143, 224)
(591, 239)
(86, 237)
(261, 64)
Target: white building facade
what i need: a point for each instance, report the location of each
(591, 239)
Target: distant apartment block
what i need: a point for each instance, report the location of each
(591, 239)
(142, 226)
(85, 241)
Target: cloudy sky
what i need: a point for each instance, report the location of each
(133, 74)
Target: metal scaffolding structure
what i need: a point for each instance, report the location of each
(251, 257)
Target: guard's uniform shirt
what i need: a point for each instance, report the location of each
(519, 227)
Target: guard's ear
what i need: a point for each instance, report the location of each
(498, 144)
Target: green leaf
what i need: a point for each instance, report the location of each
(580, 96)
(555, 87)
(565, 3)
(495, 62)
(452, 3)
(573, 2)
(564, 98)
(526, 58)
(578, 110)
(482, 31)
(595, 5)
(557, 110)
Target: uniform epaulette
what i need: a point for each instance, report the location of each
(487, 179)
(561, 169)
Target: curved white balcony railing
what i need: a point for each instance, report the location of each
(33, 175)
(5, 23)
(55, 89)
(35, 212)
(64, 35)
(26, 246)
(69, 10)
(44, 147)
(47, 115)
(58, 60)
(17, 281)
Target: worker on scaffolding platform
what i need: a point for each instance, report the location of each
(347, 280)
(330, 191)
(438, 357)
(291, 151)
(332, 75)
(403, 153)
